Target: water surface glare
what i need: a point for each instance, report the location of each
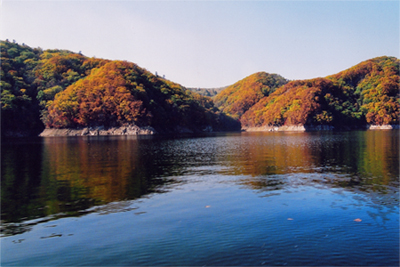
(228, 199)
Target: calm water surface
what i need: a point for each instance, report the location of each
(233, 199)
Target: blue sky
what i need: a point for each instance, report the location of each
(212, 43)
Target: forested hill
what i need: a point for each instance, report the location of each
(236, 99)
(62, 89)
(30, 79)
(367, 93)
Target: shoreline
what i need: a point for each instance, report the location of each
(314, 128)
(148, 130)
(99, 131)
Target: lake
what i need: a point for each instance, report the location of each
(230, 199)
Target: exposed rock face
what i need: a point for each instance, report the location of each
(311, 128)
(136, 130)
(383, 127)
(298, 128)
(290, 128)
(123, 130)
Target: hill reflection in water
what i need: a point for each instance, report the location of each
(49, 178)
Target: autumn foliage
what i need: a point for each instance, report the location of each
(378, 90)
(59, 88)
(367, 93)
(30, 79)
(236, 99)
(63, 89)
(100, 99)
(120, 93)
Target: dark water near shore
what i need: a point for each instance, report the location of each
(320, 198)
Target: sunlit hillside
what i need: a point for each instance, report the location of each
(62, 89)
(236, 99)
(367, 93)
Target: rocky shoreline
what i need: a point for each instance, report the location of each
(291, 128)
(136, 130)
(100, 131)
(312, 128)
(383, 127)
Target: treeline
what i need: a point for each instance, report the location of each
(236, 99)
(62, 89)
(30, 79)
(121, 93)
(367, 93)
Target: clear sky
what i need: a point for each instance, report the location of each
(212, 43)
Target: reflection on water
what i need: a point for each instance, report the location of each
(366, 161)
(218, 199)
(66, 176)
(369, 155)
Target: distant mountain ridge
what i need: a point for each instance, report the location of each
(210, 92)
(61, 89)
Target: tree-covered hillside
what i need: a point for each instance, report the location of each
(236, 99)
(63, 89)
(367, 93)
(121, 93)
(59, 88)
(19, 106)
(30, 79)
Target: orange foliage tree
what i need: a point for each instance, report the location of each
(365, 93)
(121, 93)
(236, 99)
(101, 99)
